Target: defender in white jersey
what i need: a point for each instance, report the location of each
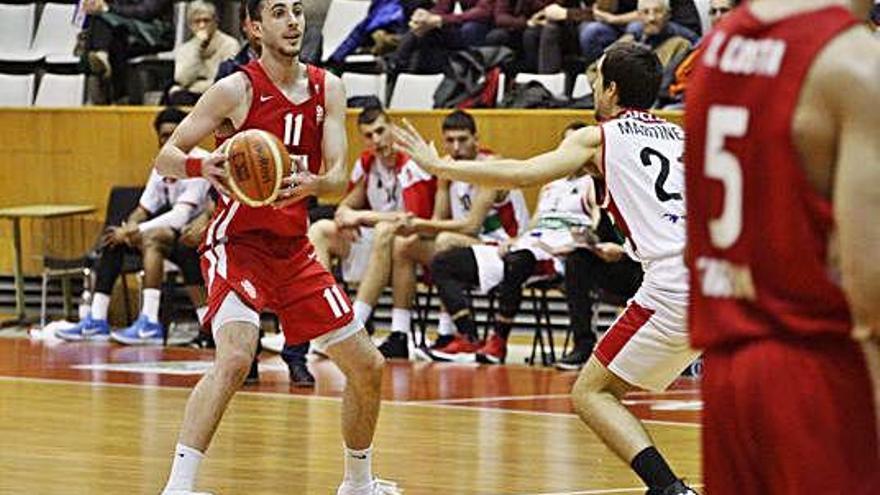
(639, 157)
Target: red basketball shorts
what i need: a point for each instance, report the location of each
(789, 418)
(280, 275)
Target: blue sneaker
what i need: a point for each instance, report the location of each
(87, 329)
(142, 332)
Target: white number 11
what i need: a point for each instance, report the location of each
(292, 129)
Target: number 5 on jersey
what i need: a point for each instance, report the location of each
(336, 301)
(722, 165)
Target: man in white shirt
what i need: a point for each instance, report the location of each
(159, 228)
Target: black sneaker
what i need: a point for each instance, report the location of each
(300, 376)
(677, 488)
(395, 346)
(574, 360)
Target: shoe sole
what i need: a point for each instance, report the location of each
(489, 359)
(459, 357)
(129, 341)
(569, 367)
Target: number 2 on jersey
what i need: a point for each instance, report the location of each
(292, 129)
(723, 122)
(659, 186)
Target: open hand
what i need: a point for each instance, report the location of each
(213, 171)
(408, 140)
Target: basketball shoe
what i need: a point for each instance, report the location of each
(376, 487)
(461, 349)
(87, 329)
(494, 352)
(142, 332)
(395, 346)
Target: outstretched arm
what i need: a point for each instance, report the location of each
(579, 150)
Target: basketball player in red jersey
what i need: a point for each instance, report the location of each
(783, 182)
(637, 155)
(260, 258)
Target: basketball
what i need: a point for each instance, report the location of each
(256, 162)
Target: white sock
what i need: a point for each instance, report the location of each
(85, 305)
(445, 325)
(150, 308)
(184, 469)
(400, 320)
(100, 304)
(201, 311)
(358, 466)
(362, 311)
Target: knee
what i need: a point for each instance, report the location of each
(384, 233)
(370, 369)
(160, 238)
(233, 367)
(403, 246)
(322, 230)
(443, 242)
(583, 394)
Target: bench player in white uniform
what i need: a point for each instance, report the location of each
(374, 196)
(638, 155)
(462, 215)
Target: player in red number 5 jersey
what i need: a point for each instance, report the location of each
(260, 258)
(783, 184)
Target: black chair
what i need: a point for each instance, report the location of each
(121, 202)
(541, 311)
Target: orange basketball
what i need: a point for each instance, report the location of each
(256, 161)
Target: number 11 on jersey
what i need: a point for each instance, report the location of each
(292, 129)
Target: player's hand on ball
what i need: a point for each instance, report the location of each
(408, 140)
(297, 188)
(213, 171)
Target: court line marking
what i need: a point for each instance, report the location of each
(282, 396)
(601, 491)
(507, 398)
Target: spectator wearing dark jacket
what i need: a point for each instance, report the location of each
(511, 18)
(684, 21)
(609, 22)
(553, 33)
(120, 30)
(435, 32)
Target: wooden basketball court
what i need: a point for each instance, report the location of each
(98, 418)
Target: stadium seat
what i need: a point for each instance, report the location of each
(16, 30)
(56, 35)
(555, 83)
(357, 84)
(415, 91)
(581, 87)
(16, 90)
(342, 17)
(703, 10)
(61, 90)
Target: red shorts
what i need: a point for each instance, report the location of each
(789, 418)
(280, 275)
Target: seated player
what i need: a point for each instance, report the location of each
(153, 229)
(463, 215)
(566, 214)
(374, 195)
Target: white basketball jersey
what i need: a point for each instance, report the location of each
(382, 186)
(506, 219)
(566, 202)
(644, 175)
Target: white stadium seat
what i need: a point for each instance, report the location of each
(16, 30)
(364, 85)
(16, 90)
(555, 83)
(342, 17)
(61, 90)
(415, 91)
(581, 87)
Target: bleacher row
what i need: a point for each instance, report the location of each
(39, 68)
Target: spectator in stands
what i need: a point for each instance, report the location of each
(462, 215)
(120, 30)
(248, 52)
(684, 19)
(677, 72)
(433, 33)
(153, 229)
(512, 18)
(565, 207)
(551, 33)
(196, 61)
(609, 23)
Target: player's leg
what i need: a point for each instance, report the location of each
(236, 340)
(155, 246)
(634, 354)
(407, 252)
(328, 241)
(455, 271)
(95, 325)
(379, 273)
(518, 266)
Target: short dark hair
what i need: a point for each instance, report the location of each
(460, 120)
(242, 13)
(637, 72)
(370, 114)
(253, 9)
(577, 124)
(168, 115)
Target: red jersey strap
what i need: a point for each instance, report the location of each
(316, 83)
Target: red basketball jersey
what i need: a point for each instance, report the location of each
(758, 232)
(301, 129)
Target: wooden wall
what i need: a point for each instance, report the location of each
(76, 155)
